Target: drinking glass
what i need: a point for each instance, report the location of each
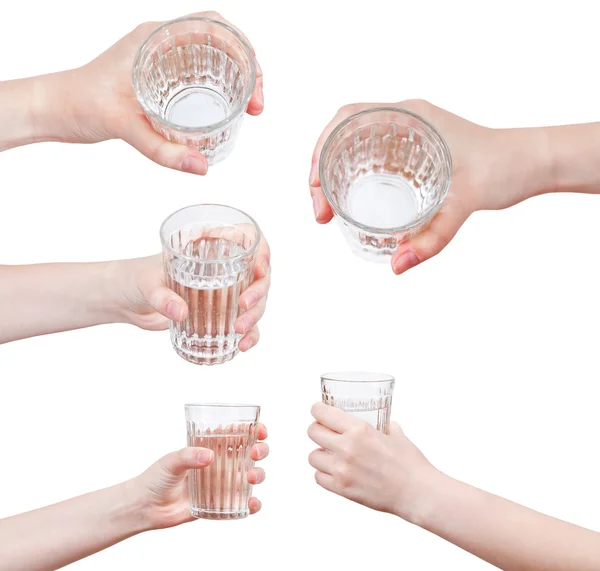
(221, 490)
(367, 396)
(209, 252)
(385, 172)
(194, 78)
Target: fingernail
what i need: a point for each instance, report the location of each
(405, 262)
(261, 97)
(250, 344)
(173, 311)
(194, 165)
(204, 456)
(251, 299)
(316, 206)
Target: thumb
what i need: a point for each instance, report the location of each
(178, 463)
(167, 303)
(146, 140)
(430, 242)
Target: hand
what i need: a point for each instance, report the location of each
(162, 489)
(492, 169)
(145, 300)
(385, 472)
(103, 104)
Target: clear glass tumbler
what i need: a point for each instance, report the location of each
(209, 252)
(194, 78)
(367, 396)
(385, 172)
(221, 490)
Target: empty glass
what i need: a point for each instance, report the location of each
(367, 396)
(209, 252)
(194, 78)
(385, 172)
(221, 490)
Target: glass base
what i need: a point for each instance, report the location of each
(196, 106)
(219, 514)
(205, 350)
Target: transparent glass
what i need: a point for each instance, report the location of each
(209, 252)
(221, 490)
(194, 78)
(385, 172)
(367, 396)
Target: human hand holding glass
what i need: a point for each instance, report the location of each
(97, 102)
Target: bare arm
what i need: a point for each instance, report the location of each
(505, 534)
(388, 473)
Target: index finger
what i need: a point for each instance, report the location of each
(261, 431)
(333, 418)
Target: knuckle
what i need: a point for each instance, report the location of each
(343, 476)
(420, 106)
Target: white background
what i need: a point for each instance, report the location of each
(493, 343)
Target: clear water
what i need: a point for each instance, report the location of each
(221, 490)
(382, 200)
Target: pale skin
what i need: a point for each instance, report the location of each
(52, 537)
(492, 169)
(96, 102)
(387, 472)
(125, 291)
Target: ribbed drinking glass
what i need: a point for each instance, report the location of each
(209, 253)
(194, 78)
(367, 396)
(385, 172)
(221, 490)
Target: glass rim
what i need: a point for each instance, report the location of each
(242, 105)
(337, 377)
(221, 405)
(245, 253)
(427, 215)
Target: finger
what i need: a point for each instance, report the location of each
(322, 436)
(249, 340)
(259, 451)
(321, 460)
(246, 322)
(256, 104)
(167, 303)
(261, 431)
(177, 463)
(325, 481)
(263, 259)
(256, 476)
(333, 418)
(254, 505)
(257, 291)
(140, 134)
(432, 241)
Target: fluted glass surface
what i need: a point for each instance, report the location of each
(385, 172)
(221, 490)
(367, 396)
(194, 77)
(208, 255)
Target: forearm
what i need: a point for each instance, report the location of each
(48, 298)
(35, 109)
(55, 536)
(505, 534)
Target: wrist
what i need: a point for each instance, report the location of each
(520, 166)
(130, 509)
(51, 107)
(424, 493)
